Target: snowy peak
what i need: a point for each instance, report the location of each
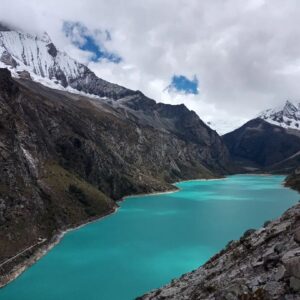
(38, 57)
(286, 115)
(22, 51)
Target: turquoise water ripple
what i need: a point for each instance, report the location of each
(152, 239)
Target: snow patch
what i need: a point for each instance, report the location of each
(30, 160)
(286, 115)
(32, 55)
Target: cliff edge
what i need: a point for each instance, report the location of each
(263, 264)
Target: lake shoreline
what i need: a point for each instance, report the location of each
(42, 250)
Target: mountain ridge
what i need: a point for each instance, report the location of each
(38, 56)
(260, 146)
(286, 115)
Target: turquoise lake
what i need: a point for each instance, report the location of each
(152, 239)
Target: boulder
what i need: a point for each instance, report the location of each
(295, 284)
(297, 235)
(292, 267)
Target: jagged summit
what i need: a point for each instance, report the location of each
(37, 55)
(286, 115)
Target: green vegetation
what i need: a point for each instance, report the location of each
(73, 194)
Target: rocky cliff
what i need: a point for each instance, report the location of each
(264, 264)
(65, 158)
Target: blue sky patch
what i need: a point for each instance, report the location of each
(181, 83)
(90, 40)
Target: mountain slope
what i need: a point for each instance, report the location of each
(35, 57)
(66, 157)
(261, 146)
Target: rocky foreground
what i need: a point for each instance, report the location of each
(263, 264)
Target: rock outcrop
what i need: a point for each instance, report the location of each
(264, 264)
(293, 180)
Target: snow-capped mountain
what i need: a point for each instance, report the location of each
(286, 115)
(37, 57)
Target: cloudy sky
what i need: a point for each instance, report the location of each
(225, 59)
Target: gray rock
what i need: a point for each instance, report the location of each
(52, 50)
(273, 288)
(279, 273)
(297, 235)
(24, 75)
(291, 254)
(292, 266)
(295, 284)
(279, 248)
(8, 59)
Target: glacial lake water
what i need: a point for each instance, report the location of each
(152, 239)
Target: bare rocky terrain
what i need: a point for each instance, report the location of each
(263, 264)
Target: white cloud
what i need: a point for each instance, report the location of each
(245, 54)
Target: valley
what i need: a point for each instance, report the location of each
(156, 238)
(72, 145)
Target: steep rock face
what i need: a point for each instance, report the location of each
(184, 124)
(264, 264)
(65, 158)
(37, 197)
(39, 56)
(261, 146)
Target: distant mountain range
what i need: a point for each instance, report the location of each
(259, 146)
(286, 115)
(269, 143)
